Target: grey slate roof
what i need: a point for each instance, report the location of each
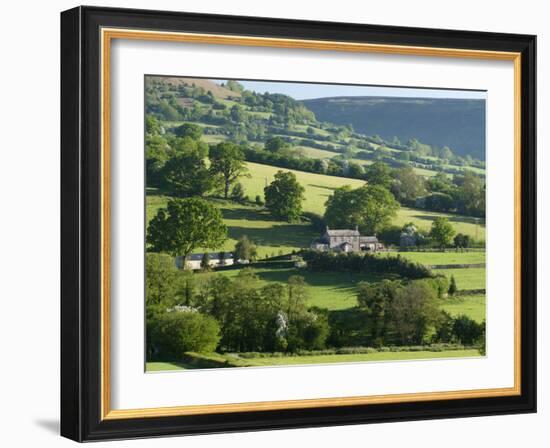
(368, 239)
(343, 232)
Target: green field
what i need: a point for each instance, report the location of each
(330, 290)
(272, 237)
(472, 306)
(475, 227)
(381, 356)
(319, 187)
(325, 359)
(164, 366)
(441, 258)
(471, 278)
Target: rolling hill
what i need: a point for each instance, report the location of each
(460, 122)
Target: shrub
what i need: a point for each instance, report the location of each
(174, 333)
(357, 262)
(467, 330)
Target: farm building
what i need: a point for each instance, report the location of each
(346, 240)
(215, 259)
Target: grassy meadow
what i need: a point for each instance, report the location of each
(267, 361)
(330, 290)
(318, 188)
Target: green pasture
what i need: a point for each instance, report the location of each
(330, 290)
(271, 237)
(469, 278)
(320, 359)
(441, 258)
(318, 187)
(475, 227)
(380, 356)
(472, 306)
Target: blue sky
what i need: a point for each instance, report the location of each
(302, 91)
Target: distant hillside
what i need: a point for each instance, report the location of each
(457, 123)
(208, 85)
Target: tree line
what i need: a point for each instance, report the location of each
(186, 312)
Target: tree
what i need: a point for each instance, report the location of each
(184, 225)
(186, 175)
(174, 333)
(237, 193)
(412, 311)
(284, 196)
(439, 202)
(205, 261)
(462, 241)
(227, 161)
(297, 296)
(379, 173)
(238, 114)
(375, 300)
(371, 208)
(442, 231)
(467, 330)
(234, 86)
(407, 185)
(191, 130)
(276, 144)
(470, 194)
(245, 249)
(152, 125)
(161, 276)
(452, 286)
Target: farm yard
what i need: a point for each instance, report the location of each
(242, 188)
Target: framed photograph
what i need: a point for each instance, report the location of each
(277, 224)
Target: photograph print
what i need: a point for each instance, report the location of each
(297, 223)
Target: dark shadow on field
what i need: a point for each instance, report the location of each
(336, 280)
(452, 218)
(247, 213)
(324, 187)
(278, 235)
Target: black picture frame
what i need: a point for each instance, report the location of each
(81, 224)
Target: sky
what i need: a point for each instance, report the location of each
(303, 91)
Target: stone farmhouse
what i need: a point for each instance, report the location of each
(346, 240)
(215, 259)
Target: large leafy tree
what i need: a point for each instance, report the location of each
(276, 144)
(412, 311)
(442, 231)
(371, 208)
(161, 280)
(470, 194)
(191, 130)
(284, 196)
(184, 225)
(375, 300)
(379, 173)
(407, 185)
(227, 161)
(187, 175)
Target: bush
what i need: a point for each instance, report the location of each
(390, 235)
(174, 333)
(467, 330)
(357, 262)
